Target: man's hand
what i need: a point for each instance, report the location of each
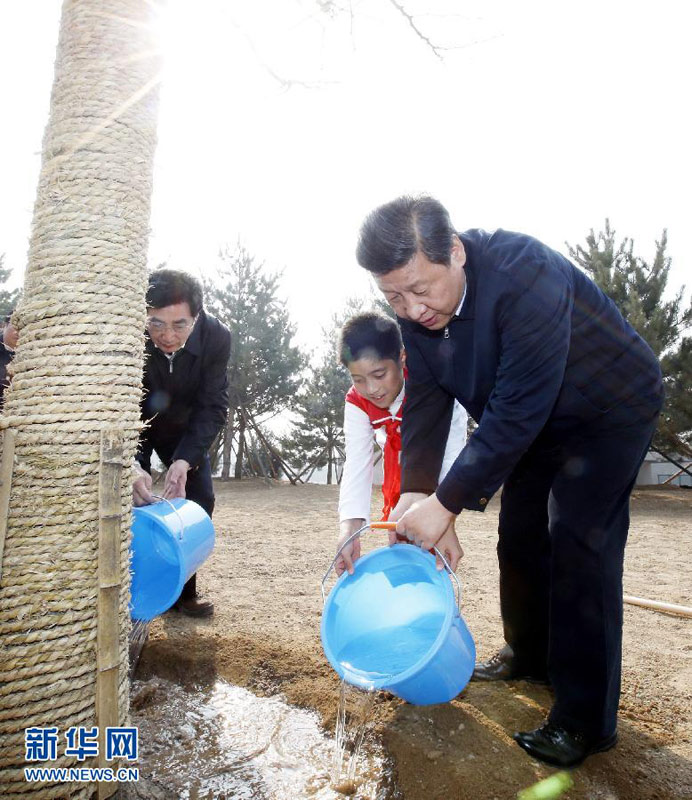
(405, 502)
(425, 522)
(141, 487)
(351, 552)
(176, 478)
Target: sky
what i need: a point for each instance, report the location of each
(282, 125)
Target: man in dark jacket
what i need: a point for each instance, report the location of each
(185, 399)
(566, 397)
(8, 343)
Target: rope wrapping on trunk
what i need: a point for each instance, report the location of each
(77, 373)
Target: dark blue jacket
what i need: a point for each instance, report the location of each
(185, 399)
(537, 346)
(6, 355)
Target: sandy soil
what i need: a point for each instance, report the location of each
(275, 542)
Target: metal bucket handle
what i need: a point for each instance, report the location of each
(175, 511)
(389, 526)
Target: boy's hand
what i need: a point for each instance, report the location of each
(351, 552)
(450, 548)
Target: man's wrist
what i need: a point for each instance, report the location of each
(442, 507)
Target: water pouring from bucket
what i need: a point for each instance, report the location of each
(396, 625)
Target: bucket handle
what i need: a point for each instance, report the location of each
(390, 526)
(175, 511)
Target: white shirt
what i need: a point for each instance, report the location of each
(356, 482)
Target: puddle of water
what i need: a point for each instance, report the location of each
(224, 742)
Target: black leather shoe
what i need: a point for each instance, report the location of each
(194, 607)
(503, 666)
(558, 747)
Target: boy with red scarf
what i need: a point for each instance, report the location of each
(371, 349)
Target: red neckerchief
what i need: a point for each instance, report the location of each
(381, 418)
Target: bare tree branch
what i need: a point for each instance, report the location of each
(285, 83)
(439, 49)
(419, 33)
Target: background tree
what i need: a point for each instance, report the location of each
(638, 288)
(317, 439)
(8, 299)
(265, 369)
(674, 433)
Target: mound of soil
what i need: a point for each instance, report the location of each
(274, 543)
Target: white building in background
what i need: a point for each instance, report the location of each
(656, 469)
(653, 472)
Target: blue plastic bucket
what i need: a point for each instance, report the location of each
(395, 625)
(170, 541)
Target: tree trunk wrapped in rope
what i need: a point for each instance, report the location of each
(72, 411)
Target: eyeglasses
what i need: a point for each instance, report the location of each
(179, 326)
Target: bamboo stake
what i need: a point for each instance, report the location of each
(6, 469)
(657, 605)
(108, 656)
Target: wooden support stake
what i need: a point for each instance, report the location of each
(657, 605)
(314, 463)
(107, 638)
(6, 469)
(680, 466)
(292, 475)
(675, 475)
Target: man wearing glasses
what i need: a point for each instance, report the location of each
(185, 400)
(566, 396)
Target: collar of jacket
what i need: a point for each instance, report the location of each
(468, 310)
(194, 340)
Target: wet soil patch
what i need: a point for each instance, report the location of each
(275, 543)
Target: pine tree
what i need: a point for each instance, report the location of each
(265, 369)
(8, 299)
(674, 433)
(318, 436)
(638, 289)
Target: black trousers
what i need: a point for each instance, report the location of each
(200, 489)
(563, 527)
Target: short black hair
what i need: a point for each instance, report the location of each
(167, 287)
(368, 333)
(8, 316)
(393, 233)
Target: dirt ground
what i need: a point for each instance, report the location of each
(274, 542)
